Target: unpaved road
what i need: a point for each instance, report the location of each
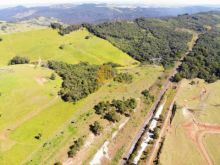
(159, 97)
(196, 132)
(153, 108)
(166, 124)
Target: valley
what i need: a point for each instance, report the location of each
(143, 91)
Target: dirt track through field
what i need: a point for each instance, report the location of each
(196, 132)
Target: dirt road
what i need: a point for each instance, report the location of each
(153, 108)
(156, 146)
(159, 97)
(196, 132)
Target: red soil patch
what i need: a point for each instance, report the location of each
(195, 131)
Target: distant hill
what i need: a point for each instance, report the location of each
(94, 13)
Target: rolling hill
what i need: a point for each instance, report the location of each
(29, 106)
(96, 13)
(46, 44)
(45, 109)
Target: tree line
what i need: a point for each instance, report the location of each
(63, 30)
(204, 60)
(19, 60)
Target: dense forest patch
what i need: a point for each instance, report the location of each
(199, 22)
(204, 60)
(81, 79)
(146, 40)
(155, 40)
(109, 110)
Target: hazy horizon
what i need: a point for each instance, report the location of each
(162, 3)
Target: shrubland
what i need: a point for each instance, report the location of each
(109, 110)
(19, 60)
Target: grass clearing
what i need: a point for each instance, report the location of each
(29, 105)
(8, 28)
(212, 143)
(177, 147)
(45, 44)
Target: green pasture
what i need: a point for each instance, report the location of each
(29, 105)
(45, 44)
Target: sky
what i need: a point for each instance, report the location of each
(147, 2)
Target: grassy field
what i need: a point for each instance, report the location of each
(45, 44)
(201, 102)
(8, 28)
(212, 142)
(178, 149)
(29, 106)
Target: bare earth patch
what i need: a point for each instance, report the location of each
(5, 142)
(41, 80)
(195, 131)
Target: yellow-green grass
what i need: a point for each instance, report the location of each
(212, 143)
(29, 105)
(45, 44)
(177, 148)
(205, 109)
(24, 88)
(18, 27)
(143, 78)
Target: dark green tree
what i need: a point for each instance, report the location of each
(96, 128)
(19, 60)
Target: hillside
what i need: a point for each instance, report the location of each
(46, 44)
(29, 106)
(155, 40)
(204, 61)
(106, 93)
(146, 40)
